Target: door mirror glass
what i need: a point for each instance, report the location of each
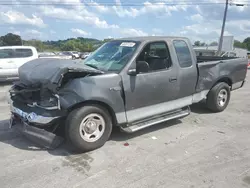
(142, 67)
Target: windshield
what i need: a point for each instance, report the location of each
(112, 56)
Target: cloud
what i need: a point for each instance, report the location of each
(132, 32)
(196, 18)
(121, 12)
(14, 31)
(204, 32)
(80, 32)
(208, 20)
(161, 8)
(243, 25)
(157, 31)
(33, 32)
(209, 30)
(98, 7)
(17, 33)
(52, 32)
(18, 18)
(76, 14)
(28, 33)
(216, 11)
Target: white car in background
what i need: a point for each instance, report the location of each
(53, 55)
(85, 55)
(12, 57)
(74, 54)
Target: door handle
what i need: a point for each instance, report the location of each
(173, 79)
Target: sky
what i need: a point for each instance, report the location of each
(62, 19)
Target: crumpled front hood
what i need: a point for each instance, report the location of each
(43, 71)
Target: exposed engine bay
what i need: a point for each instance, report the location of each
(41, 79)
(34, 97)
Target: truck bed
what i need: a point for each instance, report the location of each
(216, 68)
(202, 59)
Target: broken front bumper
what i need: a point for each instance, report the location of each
(34, 124)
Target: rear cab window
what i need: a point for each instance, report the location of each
(23, 53)
(183, 53)
(15, 53)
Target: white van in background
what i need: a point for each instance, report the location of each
(12, 57)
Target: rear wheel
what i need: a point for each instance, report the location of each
(88, 128)
(218, 97)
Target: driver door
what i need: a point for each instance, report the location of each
(148, 93)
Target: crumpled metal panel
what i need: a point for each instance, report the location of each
(210, 72)
(50, 71)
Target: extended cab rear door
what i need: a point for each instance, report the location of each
(149, 93)
(185, 59)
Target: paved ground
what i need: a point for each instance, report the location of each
(201, 150)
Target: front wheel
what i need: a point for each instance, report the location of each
(218, 97)
(88, 128)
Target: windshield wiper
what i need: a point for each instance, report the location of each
(93, 66)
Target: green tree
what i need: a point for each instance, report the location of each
(239, 44)
(71, 44)
(214, 43)
(247, 42)
(107, 40)
(203, 44)
(1, 41)
(11, 40)
(36, 43)
(197, 43)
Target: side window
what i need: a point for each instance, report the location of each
(183, 53)
(156, 55)
(23, 53)
(6, 53)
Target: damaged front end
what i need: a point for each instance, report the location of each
(35, 99)
(37, 114)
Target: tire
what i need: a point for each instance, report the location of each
(218, 97)
(78, 133)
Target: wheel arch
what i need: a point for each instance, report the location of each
(225, 79)
(98, 103)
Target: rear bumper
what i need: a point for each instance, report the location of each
(238, 85)
(8, 74)
(243, 83)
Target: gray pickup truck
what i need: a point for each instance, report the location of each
(132, 83)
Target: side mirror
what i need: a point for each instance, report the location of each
(132, 72)
(142, 66)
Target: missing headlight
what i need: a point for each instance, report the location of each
(50, 103)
